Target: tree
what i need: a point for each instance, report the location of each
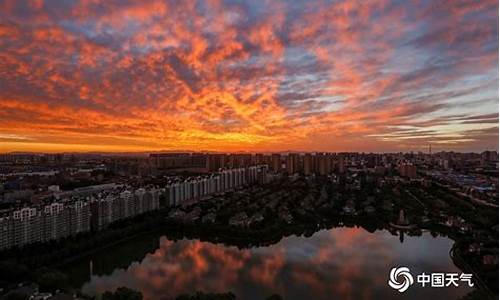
(12, 271)
(50, 280)
(122, 293)
(208, 296)
(15, 295)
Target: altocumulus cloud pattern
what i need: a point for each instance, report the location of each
(254, 75)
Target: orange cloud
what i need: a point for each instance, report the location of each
(227, 76)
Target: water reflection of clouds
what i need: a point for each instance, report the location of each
(347, 263)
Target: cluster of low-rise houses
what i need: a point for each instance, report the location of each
(478, 185)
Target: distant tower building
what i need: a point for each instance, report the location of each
(292, 163)
(341, 165)
(259, 159)
(276, 162)
(308, 164)
(215, 162)
(489, 158)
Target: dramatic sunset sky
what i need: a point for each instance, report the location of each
(134, 75)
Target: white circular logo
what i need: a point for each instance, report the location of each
(396, 274)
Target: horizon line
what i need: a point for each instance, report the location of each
(237, 152)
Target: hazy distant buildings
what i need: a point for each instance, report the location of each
(341, 165)
(407, 170)
(202, 162)
(179, 161)
(293, 163)
(239, 160)
(308, 164)
(325, 162)
(276, 162)
(489, 159)
(215, 162)
(260, 159)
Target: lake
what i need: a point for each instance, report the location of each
(340, 263)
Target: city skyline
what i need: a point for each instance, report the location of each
(421, 150)
(240, 76)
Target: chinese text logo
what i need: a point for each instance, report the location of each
(401, 279)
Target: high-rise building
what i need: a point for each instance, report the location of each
(259, 159)
(308, 164)
(195, 189)
(172, 161)
(324, 161)
(489, 158)
(341, 164)
(276, 162)
(292, 163)
(215, 162)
